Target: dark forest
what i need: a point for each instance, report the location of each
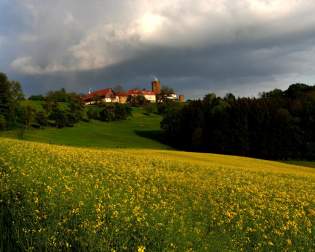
(277, 125)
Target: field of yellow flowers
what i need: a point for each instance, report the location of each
(79, 199)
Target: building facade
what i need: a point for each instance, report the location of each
(109, 96)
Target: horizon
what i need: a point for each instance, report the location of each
(146, 89)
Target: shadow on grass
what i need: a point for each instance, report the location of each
(155, 135)
(310, 164)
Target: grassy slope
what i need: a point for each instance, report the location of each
(121, 134)
(139, 131)
(162, 200)
(302, 163)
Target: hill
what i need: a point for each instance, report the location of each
(62, 198)
(139, 131)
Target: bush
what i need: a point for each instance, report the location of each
(114, 112)
(122, 111)
(59, 117)
(107, 114)
(41, 118)
(93, 113)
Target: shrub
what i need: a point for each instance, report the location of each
(107, 114)
(41, 118)
(93, 113)
(122, 111)
(59, 118)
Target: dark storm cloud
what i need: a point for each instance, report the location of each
(241, 47)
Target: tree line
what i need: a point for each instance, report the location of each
(276, 125)
(58, 108)
(55, 109)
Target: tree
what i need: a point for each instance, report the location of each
(10, 96)
(41, 118)
(49, 105)
(6, 101)
(229, 98)
(138, 100)
(164, 94)
(76, 106)
(118, 89)
(59, 117)
(277, 125)
(272, 94)
(58, 95)
(36, 98)
(16, 91)
(26, 115)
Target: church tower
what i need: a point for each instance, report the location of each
(156, 86)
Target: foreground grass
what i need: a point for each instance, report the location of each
(65, 198)
(138, 131)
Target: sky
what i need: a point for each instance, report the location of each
(194, 46)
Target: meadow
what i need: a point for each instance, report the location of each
(141, 130)
(76, 199)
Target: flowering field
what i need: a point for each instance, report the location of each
(66, 198)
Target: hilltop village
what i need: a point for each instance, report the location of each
(110, 96)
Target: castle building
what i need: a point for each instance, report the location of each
(156, 86)
(149, 95)
(102, 95)
(122, 97)
(109, 96)
(181, 98)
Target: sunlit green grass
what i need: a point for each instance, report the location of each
(138, 131)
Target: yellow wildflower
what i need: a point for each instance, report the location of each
(141, 248)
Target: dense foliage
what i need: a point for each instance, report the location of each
(165, 92)
(58, 108)
(278, 125)
(10, 97)
(137, 101)
(109, 112)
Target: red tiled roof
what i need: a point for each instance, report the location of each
(140, 92)
(109, 93)
(101, 93)
(121, 94)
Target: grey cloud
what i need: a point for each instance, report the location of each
(197, 47)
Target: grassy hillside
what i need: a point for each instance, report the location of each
(62, 198)
(137, 131)
(303, 163)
